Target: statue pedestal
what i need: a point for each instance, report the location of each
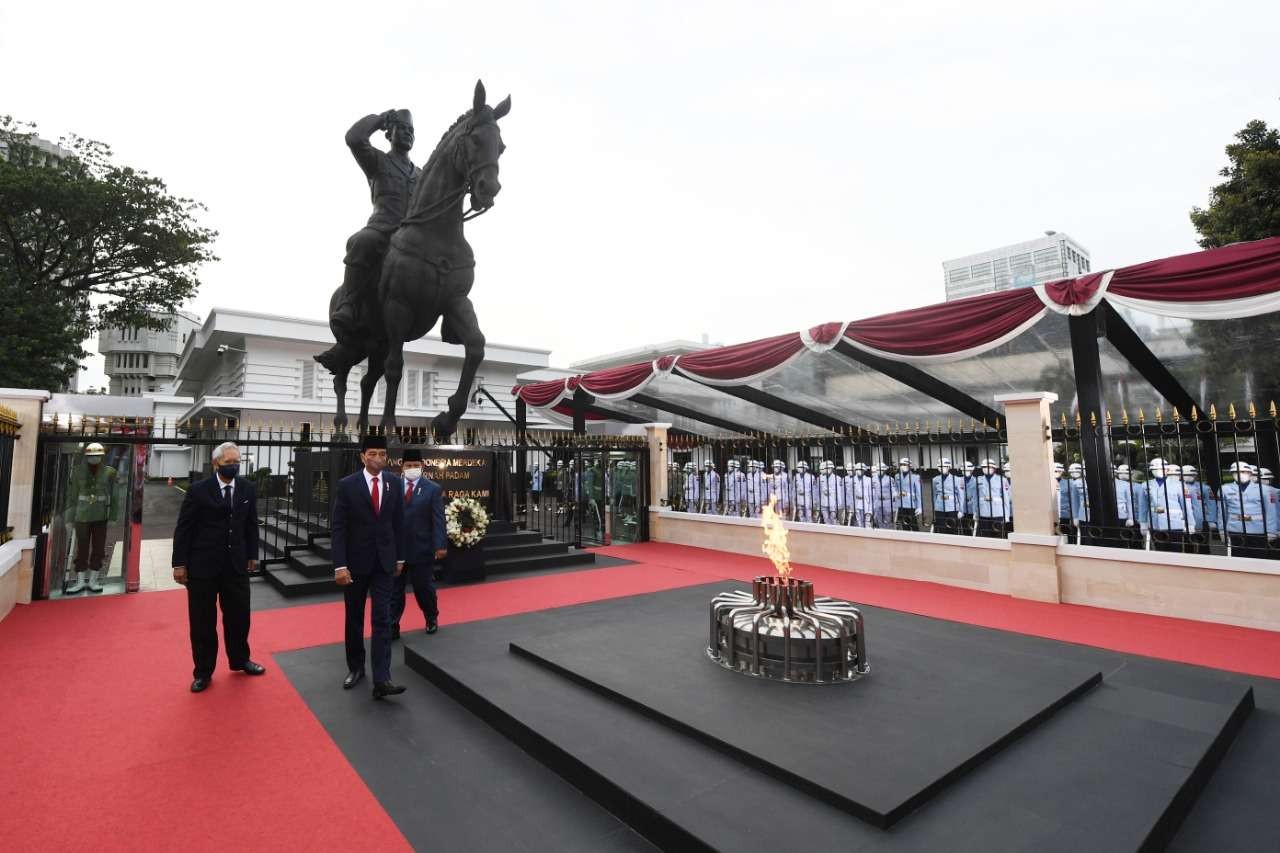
(463, 565)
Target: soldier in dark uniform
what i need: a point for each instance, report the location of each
(392, 178)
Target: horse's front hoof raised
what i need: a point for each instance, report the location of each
(442, 427)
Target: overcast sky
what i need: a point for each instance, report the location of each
(736, 169)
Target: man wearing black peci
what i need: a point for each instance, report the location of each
(215, 547)
(424, 545)
(367, 520)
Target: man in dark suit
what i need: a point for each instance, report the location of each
(424, 541)
(215, 547)
(367, 519)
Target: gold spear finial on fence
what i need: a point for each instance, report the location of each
(1077, 420)
(1272, 409)
(1177, 418)
(1107, 417)
(1195, 414)
(1093, 420)
(997, 423)
(1213, 412)
(1253, 411)
(1124, 416)
(1231, 411)
(1142, 416)
(1159, 414)
(1064, 421)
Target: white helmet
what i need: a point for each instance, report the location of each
(1057, 468)
(1242, 470)
(94, 449)
(826, 465)
(733, 464)
(757, 464)
(802, 465)
(1075, 470)
(1157, 466)
(968, 467)
(904, 461)
(778, 463)
(860, 467)
(1264, 474)
(1122, 472)
(1188, 472)
(709, 464)
(689, 466)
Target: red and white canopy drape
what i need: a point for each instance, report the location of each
(1242, 280)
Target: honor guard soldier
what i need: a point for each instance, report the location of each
(1204, 511)
(780, 489)
(675, 486)
(884, 497)
(692, 489)
(91, 503)
(993, 501)
(535, 482)
(804, 490)
(756, 488)
(910, 503)
(1063, 489)
(735, 490)
(710, 489)
(970, 499)
(830, 493)
(1128, 496)
(1079, 497)
(858, 497)
(1250, 520)
(1164, 516)
(948, 499)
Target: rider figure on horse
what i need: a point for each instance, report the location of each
(392, 178)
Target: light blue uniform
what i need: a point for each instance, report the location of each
(1128, 498)
(710, 492)
(692, 491)
(1248, 509)
(1079, 500)
(1204, 506)
(1064, 498)
(970, 494)
(884, 500)
(1164, 505)
(949, 493)
(993, 497)
(908, 487)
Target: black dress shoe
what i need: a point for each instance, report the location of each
(200, 685)
(250, 668)
(395, 631)
(432, 627)
(387, 688)
(352, 679)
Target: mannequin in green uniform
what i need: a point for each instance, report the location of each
(90, 506)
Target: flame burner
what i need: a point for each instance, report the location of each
(781, 631)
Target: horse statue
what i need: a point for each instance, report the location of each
(426, 274)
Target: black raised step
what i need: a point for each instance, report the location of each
(1115, 769)
(512, 565)
(291, 583)
(281, 532)
(322, 545)
(311, 564)
(522, 537)
(307, 522)
(524, 549)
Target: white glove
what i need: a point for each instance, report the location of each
(1128, 522)
(1075, 522)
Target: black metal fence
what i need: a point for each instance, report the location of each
(9, 431)
(584, 489)
(942, 478)
(1194, 484)
(579, 490)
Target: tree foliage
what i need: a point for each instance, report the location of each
(1240, 356)
(85, 244)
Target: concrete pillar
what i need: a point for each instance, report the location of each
(656, 434)
(1033, 568)
(28, 405)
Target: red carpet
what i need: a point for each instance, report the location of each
(106, 749)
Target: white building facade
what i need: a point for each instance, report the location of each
(1049, 258)
(139, 362)
(260, 368)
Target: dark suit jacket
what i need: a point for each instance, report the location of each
(424, 532)
(362, 542)
(208, 539)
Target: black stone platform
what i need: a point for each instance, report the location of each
(961, 738)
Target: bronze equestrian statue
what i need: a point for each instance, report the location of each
(425, 269)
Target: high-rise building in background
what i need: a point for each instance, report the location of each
(145, 361)
(1048, 258)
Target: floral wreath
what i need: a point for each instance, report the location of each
(465, 521)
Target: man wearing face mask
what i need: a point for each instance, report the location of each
(90, 505)
(910, 505)
(993, 502)
(1165, 515)
(1079, 499)
(424, 542)
(215, 547)
(1249, 519)
(948, 499)
(970, 499)
(805, 489)
(884, 497)
(1127, 497)
(1204, 511)
(1064, 499)
(779, 489)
